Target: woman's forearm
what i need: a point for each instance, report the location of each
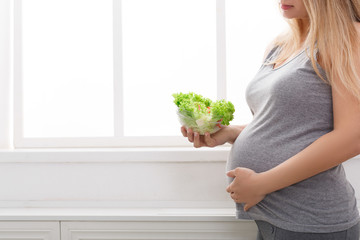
(328, 151)
(234, 131)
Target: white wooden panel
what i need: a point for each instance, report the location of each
(236, 230)
(123, 178)
(137, 182)
(5, 74)
(29, 230)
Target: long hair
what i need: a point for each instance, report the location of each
(332, 35)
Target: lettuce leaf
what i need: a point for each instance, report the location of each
(202, 114)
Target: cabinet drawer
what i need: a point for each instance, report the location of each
(205, 230)
(29, 230)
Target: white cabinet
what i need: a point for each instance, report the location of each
(20, 230)
(151, 230)
(118, 230)
(121, 224)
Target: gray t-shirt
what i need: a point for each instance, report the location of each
(292, 107)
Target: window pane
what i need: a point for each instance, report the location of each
(67, 68)
(248, 33)
(168, 47)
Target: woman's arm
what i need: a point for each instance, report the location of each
(326, 152)
(329, 150)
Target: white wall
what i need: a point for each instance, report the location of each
(352, 168)
(120, 181)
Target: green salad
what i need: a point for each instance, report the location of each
(201, 114)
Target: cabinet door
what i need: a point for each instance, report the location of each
(29, 230)
(230, 230)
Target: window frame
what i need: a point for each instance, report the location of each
(5, 75)
(118, 140)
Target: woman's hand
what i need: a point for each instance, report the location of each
(227, 134)
(246, 187)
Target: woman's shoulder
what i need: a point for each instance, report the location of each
(270, 49)
(275, 44)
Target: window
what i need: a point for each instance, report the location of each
(100, 73)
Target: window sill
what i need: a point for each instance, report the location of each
(113, 155)
(118, 214)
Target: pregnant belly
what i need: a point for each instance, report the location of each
(261, 153)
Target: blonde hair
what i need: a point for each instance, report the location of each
(333, 35)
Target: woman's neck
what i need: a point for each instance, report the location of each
(304, 30)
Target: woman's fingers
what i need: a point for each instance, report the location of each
(203, 140)
(197, 140)
(231, 173)
(190, 135)
(228, 189)
(184, 131)
(209, 140)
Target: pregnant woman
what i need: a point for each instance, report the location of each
(285, 166)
